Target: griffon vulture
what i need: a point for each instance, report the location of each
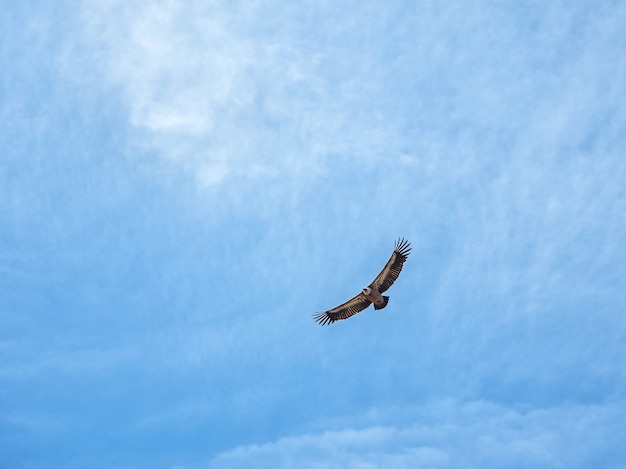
(371, 293)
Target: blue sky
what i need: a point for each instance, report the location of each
(183, 184)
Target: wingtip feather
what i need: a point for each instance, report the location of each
(402, 247)
(322, 318)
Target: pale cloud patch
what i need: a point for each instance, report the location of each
(449, 434)
(174, 122)
(209, 84)
(181, 70)
(209, 175)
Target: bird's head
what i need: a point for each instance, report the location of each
(367, 290)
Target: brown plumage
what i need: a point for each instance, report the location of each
(373, 292)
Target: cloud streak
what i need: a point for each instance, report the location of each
(449, 433)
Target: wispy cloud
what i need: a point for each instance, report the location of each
(206, 86)
(449, 433)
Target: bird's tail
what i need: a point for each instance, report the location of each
(382, 304)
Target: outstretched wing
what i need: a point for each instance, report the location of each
(392, 269)
(344, 311)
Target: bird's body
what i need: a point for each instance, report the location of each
(373, 293)
(374, 296)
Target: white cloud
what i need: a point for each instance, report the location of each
(208, 86)
(181, 71)
(450, 434)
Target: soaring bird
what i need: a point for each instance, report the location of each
(373, 292)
